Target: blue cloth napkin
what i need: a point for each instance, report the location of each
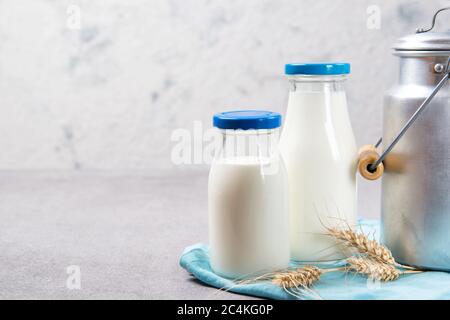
(334, 285)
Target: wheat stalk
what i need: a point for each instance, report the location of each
(376, 262)
(298, 282)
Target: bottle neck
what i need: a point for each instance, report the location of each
(317, 83)
(262, 143)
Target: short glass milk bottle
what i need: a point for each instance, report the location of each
(319, 150)
(247, 196)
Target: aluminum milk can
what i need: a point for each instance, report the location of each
(416, 180)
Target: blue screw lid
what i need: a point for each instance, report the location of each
(247, 119)
(317, 68)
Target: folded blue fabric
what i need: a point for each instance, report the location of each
(335, 285)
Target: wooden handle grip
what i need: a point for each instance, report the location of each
(367, 156)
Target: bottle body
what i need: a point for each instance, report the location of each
(248, 205)
(319, 150)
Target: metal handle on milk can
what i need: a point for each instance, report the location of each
(373, 170)
(422, 30)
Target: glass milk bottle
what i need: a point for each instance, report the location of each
(319, 150)
(247, 196)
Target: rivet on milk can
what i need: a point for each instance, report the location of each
(416, 179)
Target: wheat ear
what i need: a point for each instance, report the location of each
(374, 269)
(363, 244)
(303, 277)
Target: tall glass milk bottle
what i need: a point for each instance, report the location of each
(319, 150)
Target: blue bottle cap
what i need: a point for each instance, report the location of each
(318, 68)
(247, 119)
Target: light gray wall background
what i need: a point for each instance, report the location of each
(109, 95)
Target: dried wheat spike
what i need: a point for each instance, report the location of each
(363, 244)
(373, 269)
(302, 277)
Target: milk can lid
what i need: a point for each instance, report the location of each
(427, 41)
(247, 119)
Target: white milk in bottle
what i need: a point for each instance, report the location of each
(319, 150)
(247, 196)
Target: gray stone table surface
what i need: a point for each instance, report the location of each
(124, 230)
